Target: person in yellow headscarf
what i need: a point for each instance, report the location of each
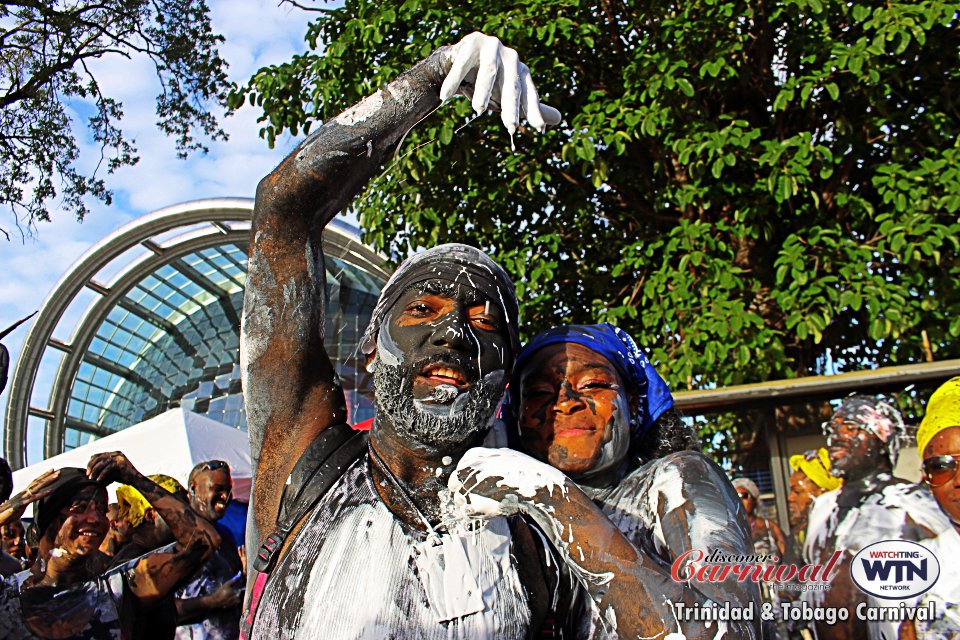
(811, 477)
(938, 443)
(149, 529)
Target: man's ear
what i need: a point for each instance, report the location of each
(370, 358)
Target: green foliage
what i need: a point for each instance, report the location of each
(754, 190)
(45, 51)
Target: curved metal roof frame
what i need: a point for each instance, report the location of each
(340, 241)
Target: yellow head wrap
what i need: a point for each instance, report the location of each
(817, 468)
(943, 412)
(132, 504)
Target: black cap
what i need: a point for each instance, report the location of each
(70, 482)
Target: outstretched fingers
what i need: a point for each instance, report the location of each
(498, 79)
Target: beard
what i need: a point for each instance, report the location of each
(436, 426)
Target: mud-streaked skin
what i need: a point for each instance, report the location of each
(630, 586)
(290, 388)
(803, 491)
(621, 530)
(69, 554)
(768, 539)
(573, 413)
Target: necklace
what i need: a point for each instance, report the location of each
(399, 487)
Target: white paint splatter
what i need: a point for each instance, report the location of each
(361, 111)
(517, 471)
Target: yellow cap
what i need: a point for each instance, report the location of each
(943, 412)
(817, 468)
(132, 504)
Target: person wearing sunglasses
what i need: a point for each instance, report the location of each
(208, 605)
(71, 591)
(863, 441)
(938, 442)
(768, 539)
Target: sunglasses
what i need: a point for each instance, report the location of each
(743, 496)
(210, 465)
(939, 470)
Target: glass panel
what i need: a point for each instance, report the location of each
(175, 344)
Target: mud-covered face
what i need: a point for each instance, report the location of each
(802, 492)
(120, 527)
(14, 539)
(854, 450)
(947, 444)
(747, 500)
(83, 522)
(211, 492)
(574, 411)
(439, 368)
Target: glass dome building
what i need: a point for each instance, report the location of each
(149, 319)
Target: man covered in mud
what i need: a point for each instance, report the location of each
(863, 439)
(374, 556)
(208, 605)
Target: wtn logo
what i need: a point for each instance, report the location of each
(903, 569)
(894, 569)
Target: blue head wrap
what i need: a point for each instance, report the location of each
(616, 345)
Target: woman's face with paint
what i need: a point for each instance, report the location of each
(945, 449)
(574, 412)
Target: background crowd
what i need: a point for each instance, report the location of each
(76, 539)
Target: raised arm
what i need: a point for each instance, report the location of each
(634, 594)
(290, 389)
(13, 508)
(155, 575)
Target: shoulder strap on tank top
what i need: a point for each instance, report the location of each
(321, 465)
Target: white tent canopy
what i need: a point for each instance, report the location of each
(171, 443)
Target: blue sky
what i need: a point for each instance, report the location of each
(258, 33)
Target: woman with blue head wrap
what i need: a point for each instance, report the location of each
(560, 367)
(637, 501)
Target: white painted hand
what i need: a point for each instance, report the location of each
(490, 482)
(491, 75)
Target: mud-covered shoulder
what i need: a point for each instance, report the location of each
(680, 501)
